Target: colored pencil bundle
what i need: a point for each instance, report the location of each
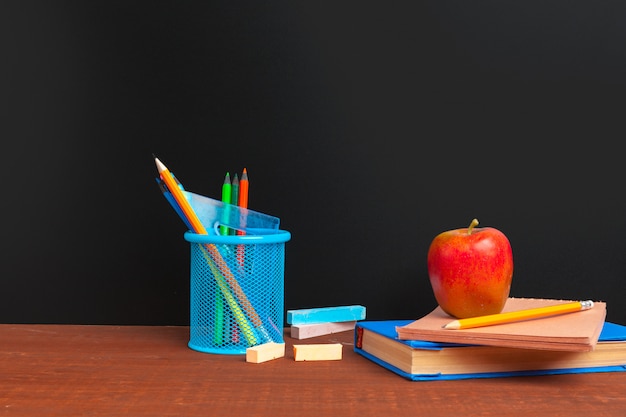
(235, 192)
(242, 310)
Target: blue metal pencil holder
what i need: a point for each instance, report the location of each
(237, 290)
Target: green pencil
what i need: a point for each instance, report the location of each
(226, 198)
(219, 302)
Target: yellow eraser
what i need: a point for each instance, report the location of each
(265, 352)
(318, 352)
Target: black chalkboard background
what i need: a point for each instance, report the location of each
(367, 127)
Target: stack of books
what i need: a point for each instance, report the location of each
(422, 350)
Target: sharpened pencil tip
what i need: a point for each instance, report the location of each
(160, 166)
(453, 325)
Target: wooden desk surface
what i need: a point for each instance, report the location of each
(69, 370)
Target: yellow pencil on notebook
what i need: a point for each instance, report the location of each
(520, 315)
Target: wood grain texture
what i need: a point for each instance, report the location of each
(70, 370)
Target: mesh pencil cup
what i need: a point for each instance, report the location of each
(237, 290)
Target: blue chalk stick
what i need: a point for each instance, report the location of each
(325, 315)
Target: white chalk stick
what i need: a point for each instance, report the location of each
(305, 331)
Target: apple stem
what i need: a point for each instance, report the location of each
(473, 224)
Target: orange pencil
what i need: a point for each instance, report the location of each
(243, 189)
(184, 205)
(244, 185)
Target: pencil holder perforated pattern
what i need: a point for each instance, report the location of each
(237, 290)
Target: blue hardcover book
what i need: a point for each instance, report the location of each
(428, 361)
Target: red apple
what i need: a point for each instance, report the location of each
(470, 270)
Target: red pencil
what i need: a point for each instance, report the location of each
(243, 193)
(243, 189)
